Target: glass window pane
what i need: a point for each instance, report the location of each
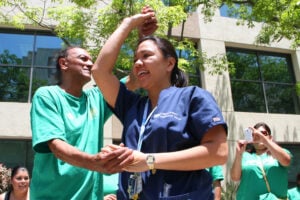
(275, 69)
(263, 82)
(245, 64)
(236, 10)
(14, 83)
(46, 49)
(16, 54)
(281, 98)
(43, 76)
(248, 96)
(17, 48)
(225, 11)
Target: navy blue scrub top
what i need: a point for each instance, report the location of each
(182, 117)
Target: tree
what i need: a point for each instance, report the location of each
(90, 22)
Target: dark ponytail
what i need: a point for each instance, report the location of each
(178, 78)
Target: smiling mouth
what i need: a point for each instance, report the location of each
(141, 73)
(87, 71)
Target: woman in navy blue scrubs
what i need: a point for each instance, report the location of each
(176, 131)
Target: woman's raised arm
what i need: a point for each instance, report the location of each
(103, 68)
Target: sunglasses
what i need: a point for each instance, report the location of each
(265, 133)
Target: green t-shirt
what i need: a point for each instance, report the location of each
(252, 183)
(294, 193)
(79, 122)
(216, 172)
(110, 183)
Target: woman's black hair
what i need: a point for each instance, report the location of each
(15, 170)
(178, 77)
(264, 125)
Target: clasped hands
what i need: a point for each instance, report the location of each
(118, 158)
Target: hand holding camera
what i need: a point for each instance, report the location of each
(248, 135)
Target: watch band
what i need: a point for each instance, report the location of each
(150, 160)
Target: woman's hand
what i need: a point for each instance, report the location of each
(241, 146)
(139, 163)
(259, 137)
(113, 158)
(145, 22)
(150, 25)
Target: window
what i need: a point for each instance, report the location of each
(26, 63)
(16, 152)
(235, 10)
(193, 71)
(295, 165)
(190, 6)
(263, 82)
(225, 11)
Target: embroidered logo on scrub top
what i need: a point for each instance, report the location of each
(216, 119)
(167, 115)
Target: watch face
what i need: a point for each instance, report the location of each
(150, 159)
(150, 162)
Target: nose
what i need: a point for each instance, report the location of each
(89, 63)
(138, 63)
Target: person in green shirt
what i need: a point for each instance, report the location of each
(67, 134)
(294, 193)
(217, 176)
(268, 155)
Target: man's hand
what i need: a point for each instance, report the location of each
(113, 159)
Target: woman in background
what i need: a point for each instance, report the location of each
(19, 185)
(266, 158)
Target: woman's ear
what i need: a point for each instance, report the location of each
(171, 63)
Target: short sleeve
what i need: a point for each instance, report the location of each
(46, 122)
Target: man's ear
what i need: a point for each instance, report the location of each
(63, 63)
